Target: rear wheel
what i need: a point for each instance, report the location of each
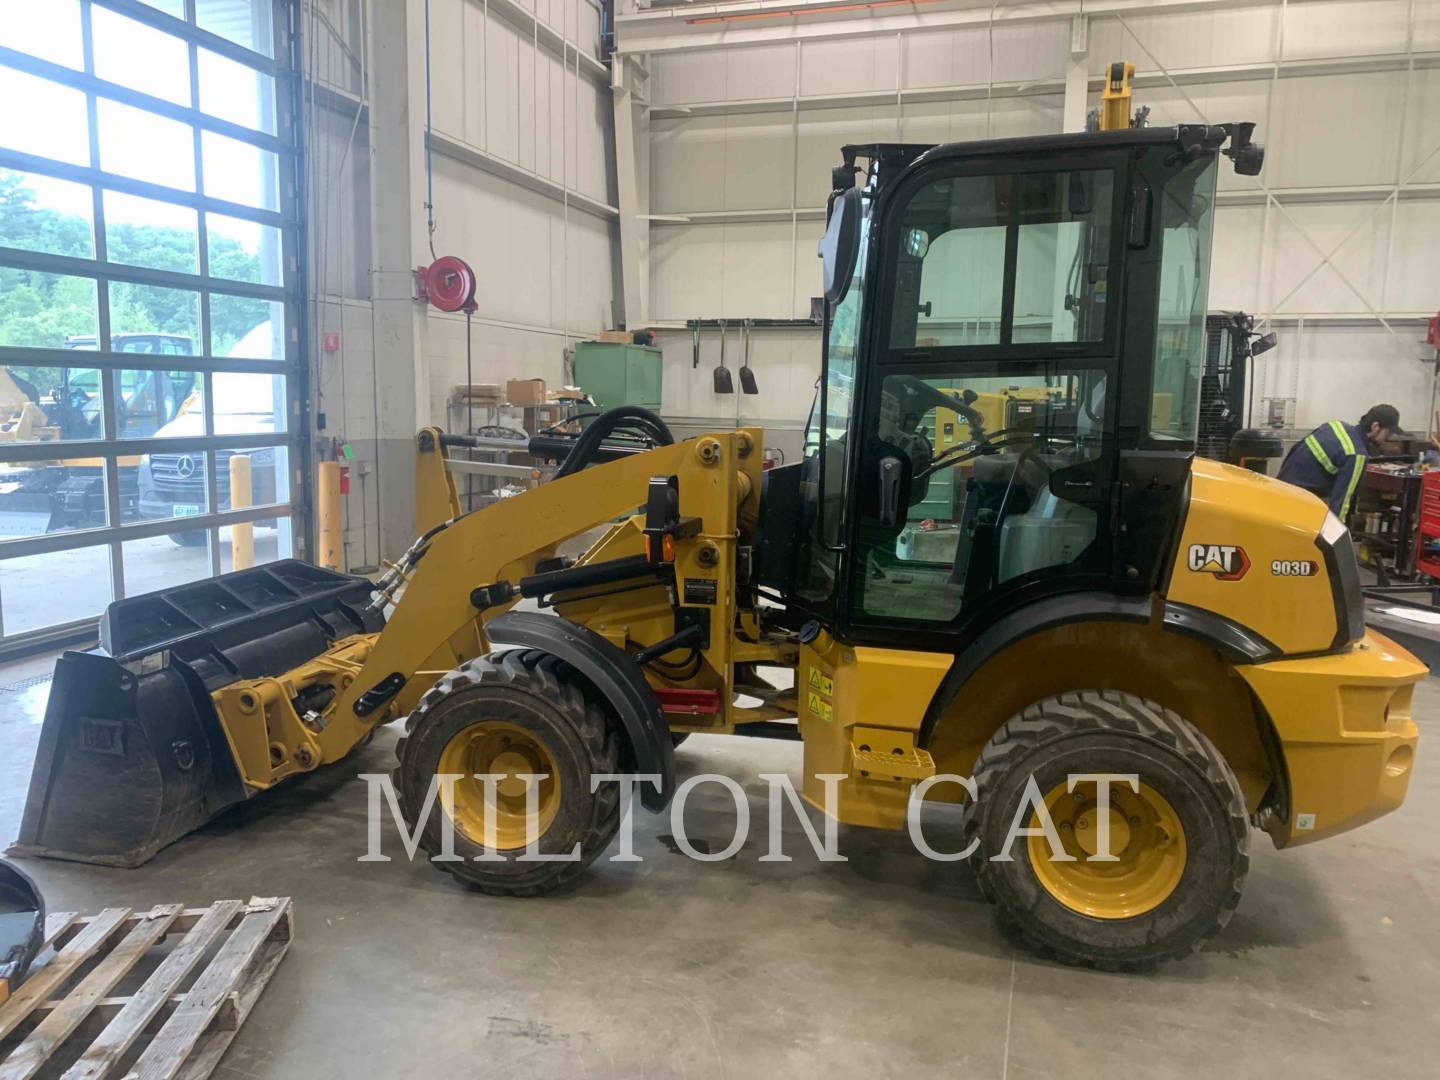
(190, 539)
(518, 714)
(1178, 840)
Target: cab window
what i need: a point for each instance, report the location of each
(960, 234)
(1003, 485)
(1187, 212)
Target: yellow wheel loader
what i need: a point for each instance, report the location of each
(999, 576)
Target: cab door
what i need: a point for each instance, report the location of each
(987, 462)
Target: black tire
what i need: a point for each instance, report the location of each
(538, 693)
(195, 539)
(1111, 732)
(678, 737)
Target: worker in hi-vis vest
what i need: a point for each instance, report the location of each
(1329, 461)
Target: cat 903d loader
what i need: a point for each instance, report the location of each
(999, 558)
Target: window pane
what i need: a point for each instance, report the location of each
(140, 57)
(271, 541)
(951, 265)
(240, 173)
(144, 146)
(146, 232)
(825, 442)
(245, 22)
(976, 516)
(46, 311)
(161, 562)
(50, 30)
(39, 497)
(243, 250)
(246, 402)
(48, 590)
(51, 404)
(169, 485)
(269, 476)
(138, 313)
(246, 329)
(1186, 211)
(159, 404)
(38, 213)
(53, 123)
(1062, 256)
(236, 92)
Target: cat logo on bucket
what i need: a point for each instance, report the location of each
(1228, 562)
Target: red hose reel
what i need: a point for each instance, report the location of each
(448, 284)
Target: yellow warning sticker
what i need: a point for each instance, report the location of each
(820, 707)
(821, 682)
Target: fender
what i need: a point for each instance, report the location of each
(614, 676)
(1238, 644)
(1021, 623)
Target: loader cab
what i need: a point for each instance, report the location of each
(1014, 341)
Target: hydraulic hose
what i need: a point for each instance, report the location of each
(626, 419)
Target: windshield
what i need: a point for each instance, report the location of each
(1186, 211)
(825, 442)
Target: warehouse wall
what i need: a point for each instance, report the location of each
(523, 191)
(1346, 94)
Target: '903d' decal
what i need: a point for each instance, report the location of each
(1228, 562)
(1294, 568)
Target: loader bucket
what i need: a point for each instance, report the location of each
(132, 753)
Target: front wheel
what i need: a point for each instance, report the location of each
(1178, 838)
(510, 716)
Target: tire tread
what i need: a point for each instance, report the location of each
(1109, 710)
(543, 676)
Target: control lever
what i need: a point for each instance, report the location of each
(889, 490)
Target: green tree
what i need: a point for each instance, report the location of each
(43, 310)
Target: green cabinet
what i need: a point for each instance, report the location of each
(617, 374)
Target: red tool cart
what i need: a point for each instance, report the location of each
(1427, 535)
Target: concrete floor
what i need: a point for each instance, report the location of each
(887, 965)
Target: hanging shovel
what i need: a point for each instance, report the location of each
(724, 384)
(747, 377)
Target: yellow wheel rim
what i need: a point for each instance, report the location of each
(1146, 839)
(494, 747)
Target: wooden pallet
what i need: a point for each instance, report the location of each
(63, 1021)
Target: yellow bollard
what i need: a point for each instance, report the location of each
(327, 523)
(242, 533)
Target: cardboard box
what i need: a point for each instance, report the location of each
(479, 393)
(622, 337)
(525, 391)
(567, 393)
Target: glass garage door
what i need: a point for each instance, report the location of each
(150, 355)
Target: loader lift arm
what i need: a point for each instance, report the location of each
(438, 627)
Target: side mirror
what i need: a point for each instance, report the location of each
(839, 248)
(1263, 344)
(1248, 157)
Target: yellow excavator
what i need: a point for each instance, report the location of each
(999, 559)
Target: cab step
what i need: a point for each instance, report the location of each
(887, 754)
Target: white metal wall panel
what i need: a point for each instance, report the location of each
(1185, 40)
(1339, 137)
(1314, 30)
